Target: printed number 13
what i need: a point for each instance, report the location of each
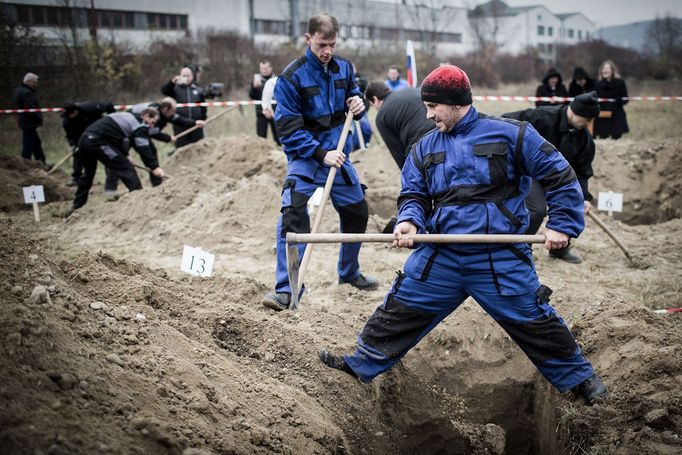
(201, 266)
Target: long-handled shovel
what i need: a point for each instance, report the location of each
(62, 161)
(295, 269)
(596, 219)
(296, 280)
(208, 120)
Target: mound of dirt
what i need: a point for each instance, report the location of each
(114, 357)
(648, 173)
(233, 157)
(16, 173)
(208, 368)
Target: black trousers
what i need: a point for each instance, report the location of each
(31, 146)
(112, 178)
(92, 150)
(537, 206)
(77, 165)
(194, 136)
(262, 123)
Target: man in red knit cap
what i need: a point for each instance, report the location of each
(471, 176)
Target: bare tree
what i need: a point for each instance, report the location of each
(485, 25)
(431, 19)
(664, 36)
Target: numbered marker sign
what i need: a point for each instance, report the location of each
(610, 202)
(197, 262)
(33, 194)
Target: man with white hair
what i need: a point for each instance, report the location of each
(29, 122)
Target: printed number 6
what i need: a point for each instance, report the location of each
(609, 203)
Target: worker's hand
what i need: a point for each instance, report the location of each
(173, 139)
(158, 172)
(268, 113)
(175, 79)
(401, 230)
(334, 159)
(200, 123)
(356, 105)
(588, 207)
(555, 240)
(130, 158)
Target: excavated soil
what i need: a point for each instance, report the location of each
(130, 355)
(16, 173)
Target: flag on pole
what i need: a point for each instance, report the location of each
(411, 65)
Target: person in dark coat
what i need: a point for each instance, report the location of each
(581, 82)
(552, 85)
(183, 90)
(108, 141)
(29, 122)
(401, 119)
(76, 117)
(565, 129)
(613, 121)
(256, 94)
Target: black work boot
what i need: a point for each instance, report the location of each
(362, 282)
(277, 301)
(336, 362)
(72, 182)
(592, 390)
(565, 254)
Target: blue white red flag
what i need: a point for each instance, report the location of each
(411, 65)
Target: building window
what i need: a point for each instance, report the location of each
(61, 16)
(541, 30)
(550, 48)
(571, 33)
(587, 35)
(580, 34)
(541, 46)
(271, 27)
(550, 31)
(539, 17)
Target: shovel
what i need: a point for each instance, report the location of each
(293, 239)
(208, 120)
(608, 232)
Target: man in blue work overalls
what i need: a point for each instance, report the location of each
(313, 95)
(471, 176)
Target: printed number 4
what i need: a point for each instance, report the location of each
(201, 266)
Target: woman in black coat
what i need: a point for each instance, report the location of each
(551, 86)
(612, 120)
(581, 83)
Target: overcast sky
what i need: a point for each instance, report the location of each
(605, 12)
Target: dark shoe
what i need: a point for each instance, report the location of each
(336, 362)
(363, 283)
(388, 229)
(277, 301)
(72, 182)
(565, 254)
(592, 390)
(68, 212)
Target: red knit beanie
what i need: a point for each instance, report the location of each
(447, 84)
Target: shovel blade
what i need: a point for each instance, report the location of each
(292, 271)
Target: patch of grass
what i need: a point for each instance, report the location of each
(656, 293)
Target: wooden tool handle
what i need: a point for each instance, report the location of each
(601, 224)
(325, 195)
(293, 237)
(62, 161)
(208, 120)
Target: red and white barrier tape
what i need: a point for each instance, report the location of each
(668, 311)
(120, 107)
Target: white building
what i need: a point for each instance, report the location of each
(438, 26)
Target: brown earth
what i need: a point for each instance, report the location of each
(16, 173)
(209, 370)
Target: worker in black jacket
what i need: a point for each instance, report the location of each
(108, 141)
(401, 119)
(565, 129)
(183, 90)
(76, 117)
(143, 137)
(29, 122)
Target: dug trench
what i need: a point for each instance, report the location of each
(129, 355)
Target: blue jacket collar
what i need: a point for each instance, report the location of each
(466, 122)
(333, 66)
